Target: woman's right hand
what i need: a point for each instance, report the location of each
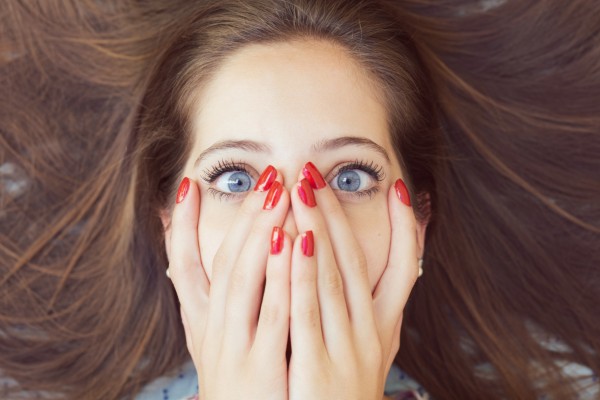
(232, 331)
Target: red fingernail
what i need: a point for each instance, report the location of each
(313, 175)
(308, 244)
(273, 196)
(184, 186)
(276, 240)
(306, 193)
(402, 192)
(266, 179)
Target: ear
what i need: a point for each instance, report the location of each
(424, 202)
(165, 217)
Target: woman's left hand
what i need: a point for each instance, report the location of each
(343, 336)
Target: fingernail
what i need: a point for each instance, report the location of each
(402, 192)
(306, 193)
(308, 244)
(266, 179)
(184, 186)
(313, 175)
(273, 196)
(276, 240)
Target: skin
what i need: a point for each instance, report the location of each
(340, 308)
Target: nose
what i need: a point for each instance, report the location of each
(290, 177)
(291, 174)
(289, 224)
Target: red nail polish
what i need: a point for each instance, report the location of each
(308, 244)
(276, 240)
(266, 179)
(313, 175)
(273, 196)
(306, 193)
(402, 192)
(184, 186)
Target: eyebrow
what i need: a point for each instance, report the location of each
(319, 147)
(246, 145)
(332, 144)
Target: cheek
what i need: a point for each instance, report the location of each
(212, 228)
(371, 227)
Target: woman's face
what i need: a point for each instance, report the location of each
(285, 104)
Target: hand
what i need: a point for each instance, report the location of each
(344, 338)
(237, 353)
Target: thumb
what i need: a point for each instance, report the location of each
(394, 287)
(185, 268)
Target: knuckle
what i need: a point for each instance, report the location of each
(261, 227)
(307, 279)
(238, 280)
(270, 315)
(359, 265)
(333, 283)
(220, 260)
(310, 316)
(319, 229)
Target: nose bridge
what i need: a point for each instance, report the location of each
(291, 171)
(289, 224)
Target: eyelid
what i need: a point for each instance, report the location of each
(211, 174)
(375, 172)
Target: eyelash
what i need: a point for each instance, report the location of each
(211, 174)
(370, 168)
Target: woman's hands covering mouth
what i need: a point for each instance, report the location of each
(267, 287)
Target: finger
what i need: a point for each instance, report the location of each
(400, 275)
(306, 332)
(236, 289)
(349, 256)
(246, 282)
(334, 314)
(185, 269)
(244, 219)
(274, 320)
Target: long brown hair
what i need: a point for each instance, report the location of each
(494, 108)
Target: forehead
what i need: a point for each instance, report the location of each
(289, 93)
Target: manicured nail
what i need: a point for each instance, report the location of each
(273, 196)
(402, 192)
(306, 193)
(313, 175)
(308, 244)
(276, 240)
(184, 186)
(266, 179)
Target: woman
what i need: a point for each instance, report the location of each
(321, 148)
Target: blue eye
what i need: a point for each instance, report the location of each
(352, 180)
(234, 182)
